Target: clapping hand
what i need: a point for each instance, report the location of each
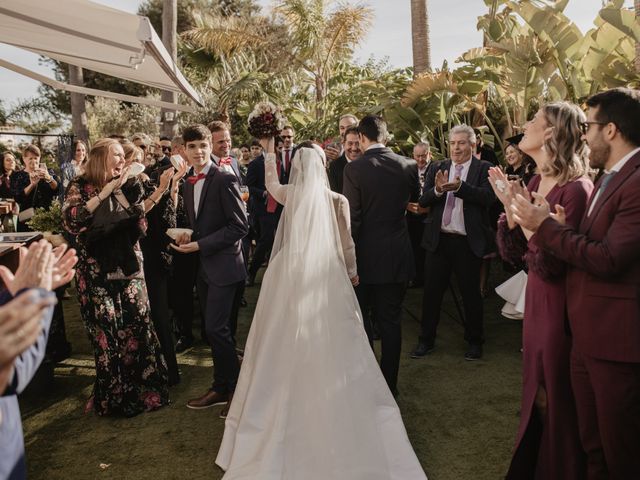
(34, 270)
(63, 271)
(21, 323)
(180, 173)
(165, 178)
(443, 185)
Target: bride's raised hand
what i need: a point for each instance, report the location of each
(500, 184)
(268, 145)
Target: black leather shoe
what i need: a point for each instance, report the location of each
(183, 344)
(422, 350)
(243, 302)
(473, 353)
(250, 281)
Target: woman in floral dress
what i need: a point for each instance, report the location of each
(131, 375)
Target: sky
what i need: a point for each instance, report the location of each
(452, 22)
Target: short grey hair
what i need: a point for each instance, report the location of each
(177, 140)
(424, 144)
(466, 129)
(348, 115)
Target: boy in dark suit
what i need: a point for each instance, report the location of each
(218, 219)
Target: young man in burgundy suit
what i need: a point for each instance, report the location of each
(603, 286)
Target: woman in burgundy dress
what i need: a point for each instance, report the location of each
(547, 445)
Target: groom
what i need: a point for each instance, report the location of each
(217, 216)
(379, 185)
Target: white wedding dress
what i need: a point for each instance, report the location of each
(311, 402)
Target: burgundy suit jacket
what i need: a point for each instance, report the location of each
(603, 282)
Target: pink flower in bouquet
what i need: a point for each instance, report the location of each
(266, 120)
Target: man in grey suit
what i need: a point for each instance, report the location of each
(379, 185)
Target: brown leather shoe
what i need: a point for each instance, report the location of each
(225, 410)
(209, 399)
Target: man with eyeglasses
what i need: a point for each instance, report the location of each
(603, 285)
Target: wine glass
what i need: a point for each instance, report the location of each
(244, 193)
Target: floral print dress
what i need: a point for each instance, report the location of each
(131, 374)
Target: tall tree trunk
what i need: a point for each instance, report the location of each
(78, 106)
(637, 6)
(169, 39)
(420, 37)
(321, 91)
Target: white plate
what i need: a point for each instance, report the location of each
(174, 233)
(176, 161)
(135, 169)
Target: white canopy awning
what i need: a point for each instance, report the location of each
(94, 37)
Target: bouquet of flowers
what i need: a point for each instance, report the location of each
(266, 120)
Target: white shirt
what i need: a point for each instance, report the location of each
(375, 145)
(616, 168)
(197, 188)
(457, 216)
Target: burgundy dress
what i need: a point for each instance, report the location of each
(546, 447)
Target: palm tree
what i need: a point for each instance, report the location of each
(420, 37)
(320, 39)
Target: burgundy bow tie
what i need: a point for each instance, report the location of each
(225, 161)
(195, 179)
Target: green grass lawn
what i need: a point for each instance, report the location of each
(461, 416)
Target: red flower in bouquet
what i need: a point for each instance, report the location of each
(266, 120)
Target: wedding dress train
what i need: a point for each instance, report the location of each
(311, 402)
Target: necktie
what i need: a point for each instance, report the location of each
(287, 159)
(606, 178)
(451, 201)
(195, 179)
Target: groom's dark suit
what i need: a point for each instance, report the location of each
(218, 227)
(378, 186)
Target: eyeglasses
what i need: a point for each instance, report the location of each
(143, 146)
(286, 136)
(584, 126)
(166, 149)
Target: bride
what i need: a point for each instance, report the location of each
(311, 402)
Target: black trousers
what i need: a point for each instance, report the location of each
(452, 255)
(220, 306)
(183, 281)
(267, 227)
(385, 303)
(157, 280)
(415, 226)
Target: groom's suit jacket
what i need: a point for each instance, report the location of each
(219, 227)
(378, 186)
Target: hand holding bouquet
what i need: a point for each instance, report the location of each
(266, 120)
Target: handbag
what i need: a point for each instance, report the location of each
(113, 216)
(28, 213)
